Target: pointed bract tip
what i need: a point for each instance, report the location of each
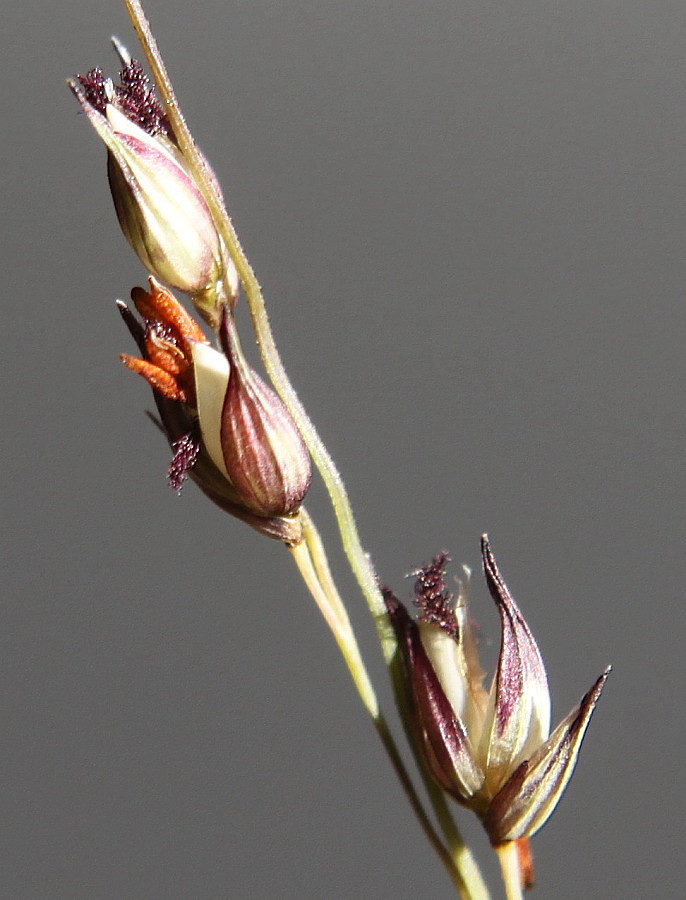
(528, 799)
(390, 600)
(135, 328)
(487, 555)
(121, 51)
(490, 566)
(76, 88)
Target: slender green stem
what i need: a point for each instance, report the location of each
(456, 856)
(326, 597)
(462, 868)
(321, 562)
(340, 627)
(310, 557)
(473, 886)
(403, 776)
(508, 857)
(316, 574)
(352, 545)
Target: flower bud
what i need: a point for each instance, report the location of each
(247, 430)
(161, 211)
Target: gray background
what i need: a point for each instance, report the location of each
(469, 219)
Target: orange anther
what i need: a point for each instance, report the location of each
(157, 378)
(161, 305)
(164, 354)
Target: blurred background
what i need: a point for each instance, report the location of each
(469, 220)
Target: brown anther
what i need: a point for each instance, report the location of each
(159, 304)
(164, 353)
(157, 378)
(166, 343)
(141, 300)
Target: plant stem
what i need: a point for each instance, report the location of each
(328, 601)
(315, 572)
(508, 857)
(338, 622)
(473, 885)
(456, 857)
(358, 559)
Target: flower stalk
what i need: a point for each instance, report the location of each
(310, 557)
(249, 447)
(358, 558)
(352, 545)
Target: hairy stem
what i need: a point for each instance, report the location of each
(359, 560)
(315, 570)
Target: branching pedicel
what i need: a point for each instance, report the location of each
(248, 446)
